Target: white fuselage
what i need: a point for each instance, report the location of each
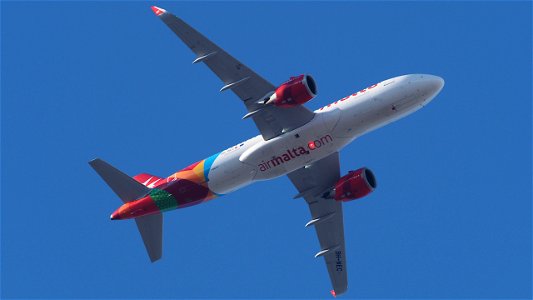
(333, 127)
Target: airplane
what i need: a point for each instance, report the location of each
(293, 141)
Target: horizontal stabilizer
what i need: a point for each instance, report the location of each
(129, 189)
(151, 229)
(126, 188)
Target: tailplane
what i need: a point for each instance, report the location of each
(151, 229)
(126, 188)
(129, 189)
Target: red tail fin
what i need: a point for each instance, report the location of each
(149, 180)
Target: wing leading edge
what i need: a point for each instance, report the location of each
(244, 82)
(326, 216)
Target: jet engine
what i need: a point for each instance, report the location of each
(296, 91)
(354, 185)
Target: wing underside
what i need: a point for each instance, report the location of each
(271, 122)
(326, 215)
(244, 82)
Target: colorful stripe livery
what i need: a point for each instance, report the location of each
(184, 188)
(197, 172)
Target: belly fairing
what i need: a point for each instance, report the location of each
(228, 173)
(293, 150)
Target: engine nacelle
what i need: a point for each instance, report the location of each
(354, 185)
(296, 91)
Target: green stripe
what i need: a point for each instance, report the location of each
(163, 199)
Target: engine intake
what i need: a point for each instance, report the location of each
(356, 184)
(296, 91)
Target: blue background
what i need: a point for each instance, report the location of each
(451, 217)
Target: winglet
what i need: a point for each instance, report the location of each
(158, 10)
(333, 293)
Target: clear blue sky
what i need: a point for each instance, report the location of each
(451, 217)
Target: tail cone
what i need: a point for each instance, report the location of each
(115, 216)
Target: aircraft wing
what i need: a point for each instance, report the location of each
(326, 215)
(250, 87)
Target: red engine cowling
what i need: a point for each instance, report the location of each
(354, 185)
(296, 91)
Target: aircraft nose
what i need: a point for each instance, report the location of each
(428, 85)
(433, 83)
